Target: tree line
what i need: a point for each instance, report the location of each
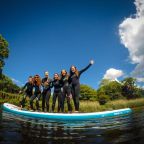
(112, 90)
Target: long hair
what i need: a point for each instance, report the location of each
(67, 75)
(58, 76)
(37, 80)
(76, 72)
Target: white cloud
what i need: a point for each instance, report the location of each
(131, 32)
(16, 81)
(140, 79)
(113, 74)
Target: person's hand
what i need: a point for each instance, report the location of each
(92, 62)
(20, 92)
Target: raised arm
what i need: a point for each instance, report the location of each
(83, 70)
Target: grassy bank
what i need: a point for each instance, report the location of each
(94, 106)
(85, 106)
(10, 98)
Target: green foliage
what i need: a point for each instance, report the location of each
(104, 82)
(113, 89)
(7, 85)
(103, 99)
(4, 52)
(129, 88)
(87, 93)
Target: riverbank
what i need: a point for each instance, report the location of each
(85, 106)
(94, 106)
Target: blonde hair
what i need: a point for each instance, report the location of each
(76, 71)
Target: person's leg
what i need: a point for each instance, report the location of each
(59, 101)
(47, 98)
(73, 96)
(22, 102)
(54, 101)
(77, 95)
(63, 95)
(29, 97)
(31, 101)
(37, 100)
(43, 100)
(68, 93)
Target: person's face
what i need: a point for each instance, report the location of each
(30, 79)
(63, 72)
(56, 76)
(73, 69)
(46, 75)
(36, 78)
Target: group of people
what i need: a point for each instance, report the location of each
(66, 86)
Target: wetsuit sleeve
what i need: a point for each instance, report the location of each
(69, 80)
(24, 86)
(51, 83)
(61, 83)
(83, 70)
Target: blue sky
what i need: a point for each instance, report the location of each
(55, 34)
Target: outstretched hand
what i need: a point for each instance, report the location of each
(92, 62)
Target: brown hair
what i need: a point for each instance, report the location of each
(58, 76)
(37, 80)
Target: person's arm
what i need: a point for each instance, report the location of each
(69, 79)
(42, 82)
(24, 87)
(51, 83)
(83, 70)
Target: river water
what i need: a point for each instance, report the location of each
(128, 129)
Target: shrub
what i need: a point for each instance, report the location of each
(103, 99)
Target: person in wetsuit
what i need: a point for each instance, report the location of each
(57, 92)
(75, 84)
(46, 84)
(36, 92)
(28, 91)
(66, 93)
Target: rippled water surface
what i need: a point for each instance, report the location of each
(128, 129)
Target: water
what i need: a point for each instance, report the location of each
(128, 129)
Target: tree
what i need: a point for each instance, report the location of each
(4, 53)
(129, 88)
(101, 96)
(104, 82)
(113, 89)
(7, 85)
(87, 93)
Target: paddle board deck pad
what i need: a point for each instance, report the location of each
(65, 116)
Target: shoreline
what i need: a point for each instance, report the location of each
(94, 106)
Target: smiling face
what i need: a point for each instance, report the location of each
(63, 72)
(56, 76)
(73, 69)
(36, 77)
(46, 74)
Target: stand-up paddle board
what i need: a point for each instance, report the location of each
(65, 116)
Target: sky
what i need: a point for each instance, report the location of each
(51, 35)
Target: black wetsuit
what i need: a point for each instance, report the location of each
(28, 87)
(46, 93)
(36, 95)
(66, 93)
(75, 86)
(57, 93)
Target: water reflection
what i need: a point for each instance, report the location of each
(124, 129)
